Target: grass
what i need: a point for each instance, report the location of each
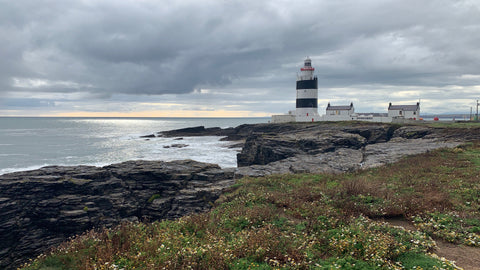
(305, 221)
(447, 124)
(413, 260)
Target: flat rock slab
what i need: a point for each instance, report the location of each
(383, 153)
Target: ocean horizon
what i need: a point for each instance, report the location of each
(28, 143)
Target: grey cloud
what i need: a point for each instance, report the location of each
(131, 48)
(173, 47)
(26, 102)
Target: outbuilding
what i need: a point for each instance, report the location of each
(340, 110)
(404, 111)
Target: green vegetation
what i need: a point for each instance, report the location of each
(153, 198)
(446, 124)
(305, 221)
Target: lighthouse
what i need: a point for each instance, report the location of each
(307, 94)
(307, 106)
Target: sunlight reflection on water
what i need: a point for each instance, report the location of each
(30, 143)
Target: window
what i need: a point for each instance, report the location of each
(399, 112)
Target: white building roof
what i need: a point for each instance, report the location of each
(404, 107)
(339, 108)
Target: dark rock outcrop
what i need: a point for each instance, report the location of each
(42, 208)
(413, 132)
(234, 134)
(148, 136)
(176, 145)
(197, 131)
(262, 149)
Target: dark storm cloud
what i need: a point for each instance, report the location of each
(135, 46)
(160, 47)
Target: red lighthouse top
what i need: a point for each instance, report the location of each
(308, 65)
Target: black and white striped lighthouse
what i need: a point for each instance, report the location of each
(307, 94)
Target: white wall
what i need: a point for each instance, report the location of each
(309, 118)
(404, 114)
(284, 118)
(340, 112)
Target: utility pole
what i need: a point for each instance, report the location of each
(477, 110)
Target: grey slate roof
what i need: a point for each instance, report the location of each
(339, 108)
(373, 114)
(404, 107)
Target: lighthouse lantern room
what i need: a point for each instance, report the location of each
(307, 94)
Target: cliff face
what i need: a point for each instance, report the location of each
(42, 208)
(262, 149)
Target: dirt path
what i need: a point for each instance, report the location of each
(466, 257)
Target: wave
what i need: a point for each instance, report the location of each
(36, 167)
(100, 142)
(29, 168)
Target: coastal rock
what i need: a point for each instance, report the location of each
(234, 134)
(197, 131)
(44, 207)
(375, 133)
(262, 149)
(176, 145)
(413, 132)
(340, 160)
(379, 154)
(337, 148)
(331, 147)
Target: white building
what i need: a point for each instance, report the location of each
(307, 105)
(340, 110)
(347, 113)
(404, 111)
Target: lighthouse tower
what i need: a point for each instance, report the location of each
(307, 94)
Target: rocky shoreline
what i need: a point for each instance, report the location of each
(42, 208)
(328, 146)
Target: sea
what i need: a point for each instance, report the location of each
(28, 143)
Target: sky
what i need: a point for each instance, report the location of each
(225, 58)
